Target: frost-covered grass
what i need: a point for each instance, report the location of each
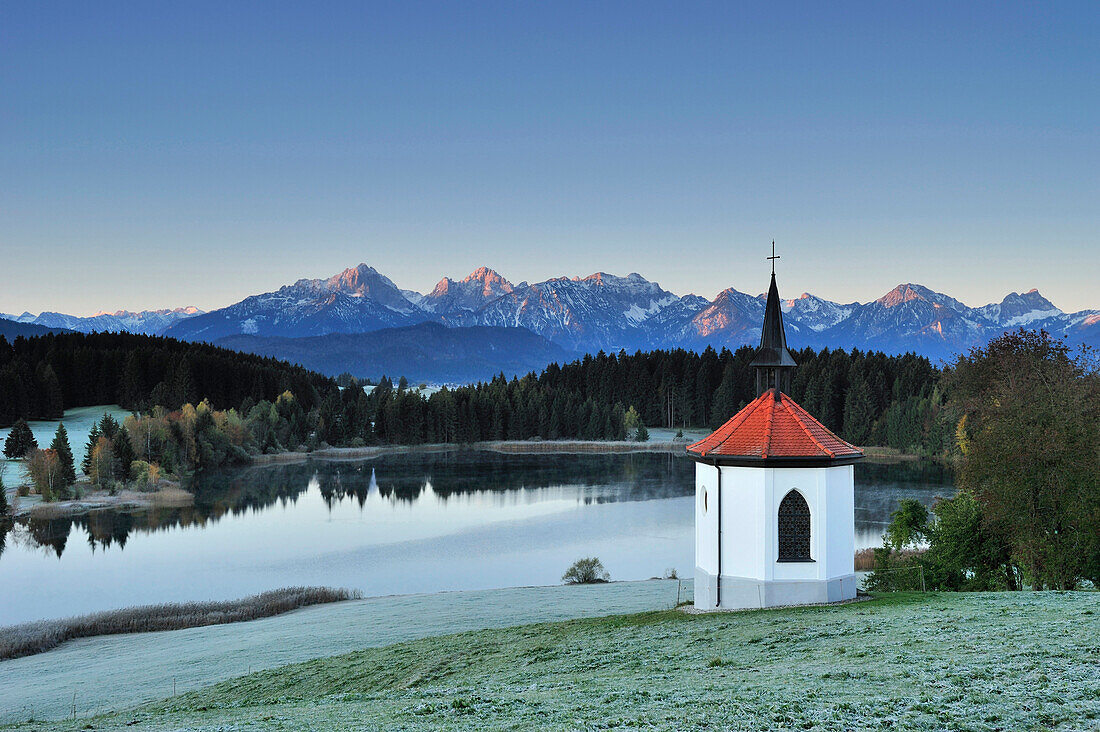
(29, 638)
(940, 661)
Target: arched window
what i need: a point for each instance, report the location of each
(794, 528)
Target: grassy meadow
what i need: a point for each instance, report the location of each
(982, 661)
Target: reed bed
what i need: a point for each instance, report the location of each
(865, 558)
(27, 639)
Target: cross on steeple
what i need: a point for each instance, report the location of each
(773, 362)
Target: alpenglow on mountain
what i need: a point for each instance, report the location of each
(608, 312)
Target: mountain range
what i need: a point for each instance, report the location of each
(578, 315)
(608, 312)
(149, 322)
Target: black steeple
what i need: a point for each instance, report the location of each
(773, 362)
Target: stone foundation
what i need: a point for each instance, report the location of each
(742, 592)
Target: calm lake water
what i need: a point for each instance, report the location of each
(415, 522)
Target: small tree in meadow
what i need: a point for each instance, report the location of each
(642, 435)
(20, 441)
(587, 571)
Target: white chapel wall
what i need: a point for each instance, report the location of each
(706, 517)
(811, 483)
(742, 522)
(841, 518)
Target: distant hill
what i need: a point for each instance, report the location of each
(43, 375)
(12, 329)
(424, 352)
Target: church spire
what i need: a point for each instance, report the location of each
(773, 362)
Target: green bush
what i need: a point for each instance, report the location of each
(587, 571)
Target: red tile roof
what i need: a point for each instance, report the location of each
(774, 428)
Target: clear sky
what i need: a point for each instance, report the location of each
(165, 154)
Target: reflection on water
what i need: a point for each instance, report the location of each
(413, 522)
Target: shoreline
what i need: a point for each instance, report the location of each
(172, 495)
(169, 496)
(575, 447)
(520, 447)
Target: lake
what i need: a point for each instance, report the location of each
(399, 523)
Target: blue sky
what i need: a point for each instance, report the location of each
(163, 154)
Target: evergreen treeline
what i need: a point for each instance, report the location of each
(41, 377)
(868, 398)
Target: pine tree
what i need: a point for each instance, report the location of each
(93, 438)
(5, 507)
(108, 426)
(20, 441)
(52, 401)
(858, 411)
(642, 435)
(124, 451)
(64, 451)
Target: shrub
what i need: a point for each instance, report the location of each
(143, 474)
(587, 571)
(896, 570)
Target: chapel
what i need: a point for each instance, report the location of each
(774, 490)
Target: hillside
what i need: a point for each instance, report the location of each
(424, 352)
(911, 661)
(40, 377)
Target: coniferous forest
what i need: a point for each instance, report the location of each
(868, 398)
(41, 377)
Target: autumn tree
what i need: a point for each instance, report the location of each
(44, 470)
(102, 465)
(1028, 415)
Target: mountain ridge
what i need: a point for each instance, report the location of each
(603, 311)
